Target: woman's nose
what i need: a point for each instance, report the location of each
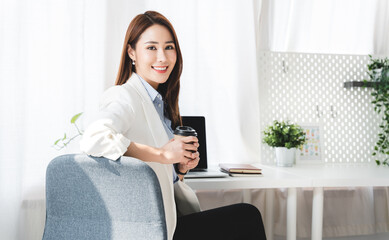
(161, 56)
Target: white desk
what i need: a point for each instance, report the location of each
(337, 175)
(316, 176)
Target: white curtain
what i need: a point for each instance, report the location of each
(324, 26)
(50, 53)
(57, 57)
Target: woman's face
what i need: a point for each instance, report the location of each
(154, 54)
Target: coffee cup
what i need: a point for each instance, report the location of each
(184, 131)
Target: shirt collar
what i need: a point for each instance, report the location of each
(150, 90)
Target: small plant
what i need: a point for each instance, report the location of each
(379, 73)
(65, 140)
(284, 134)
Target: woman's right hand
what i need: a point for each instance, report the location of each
(180, 150)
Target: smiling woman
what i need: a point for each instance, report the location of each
(138, 116)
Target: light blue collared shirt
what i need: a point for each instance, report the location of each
(157, 100)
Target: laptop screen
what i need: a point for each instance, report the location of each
(198, 124)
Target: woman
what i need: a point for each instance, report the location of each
(137, 118)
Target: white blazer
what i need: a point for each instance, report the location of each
(128, 114)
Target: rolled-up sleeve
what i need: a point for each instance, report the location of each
(105, 137)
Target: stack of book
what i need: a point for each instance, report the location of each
(241, 170)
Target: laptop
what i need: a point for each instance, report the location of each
(201, 171)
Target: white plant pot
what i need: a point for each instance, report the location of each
(285, 157)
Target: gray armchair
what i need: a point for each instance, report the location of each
(95, 198)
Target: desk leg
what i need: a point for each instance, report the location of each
(247, 196)
(291, 215)
(317, 213)
(269, 215)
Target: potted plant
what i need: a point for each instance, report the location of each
(379, 74)
(285, 137)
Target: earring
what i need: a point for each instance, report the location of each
(133, 62)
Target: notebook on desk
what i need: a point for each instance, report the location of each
(201, 171)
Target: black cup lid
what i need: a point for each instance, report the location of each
(185, 131)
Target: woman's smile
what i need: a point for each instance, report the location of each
(160, 69)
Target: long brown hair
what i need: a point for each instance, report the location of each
(171, 88)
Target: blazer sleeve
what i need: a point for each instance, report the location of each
(105, 137)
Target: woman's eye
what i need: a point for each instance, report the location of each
(151, 48)
(169, 47)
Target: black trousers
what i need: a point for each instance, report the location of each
(235, 222)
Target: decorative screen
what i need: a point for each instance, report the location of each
(308, 89)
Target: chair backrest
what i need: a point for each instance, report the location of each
(95, 198)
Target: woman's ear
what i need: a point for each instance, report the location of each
(131, 52)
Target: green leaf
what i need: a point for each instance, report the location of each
(75, 117)
(56, 142)
(64, 136)
(378, 162)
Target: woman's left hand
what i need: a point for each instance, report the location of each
(190, 164)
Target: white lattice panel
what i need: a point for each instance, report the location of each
(293, 86)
